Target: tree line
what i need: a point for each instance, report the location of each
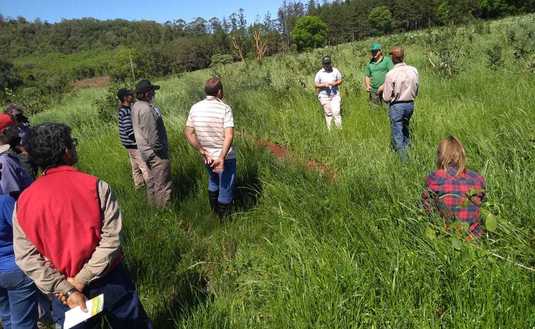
(126, 49)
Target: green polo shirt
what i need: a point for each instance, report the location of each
(377, 71)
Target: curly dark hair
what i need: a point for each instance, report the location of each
(47, 144)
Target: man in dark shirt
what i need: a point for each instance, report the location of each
(140, 171)
(21, 122)
(13, 178)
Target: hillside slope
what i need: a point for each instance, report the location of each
(348, 249)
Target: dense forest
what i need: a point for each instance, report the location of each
(44, 58)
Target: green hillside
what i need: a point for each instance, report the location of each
(332, 236)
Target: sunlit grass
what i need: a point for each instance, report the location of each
(304, 251)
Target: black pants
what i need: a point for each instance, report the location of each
(122, 307)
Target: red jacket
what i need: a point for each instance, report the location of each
(60, 214)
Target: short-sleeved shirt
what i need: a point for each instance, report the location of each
(13, 178)
(323, 77)
(209, 118)
(377, 71)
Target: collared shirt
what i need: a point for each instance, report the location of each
(401, 84)
(323, 77)
(209, 118)
(377, 71)
(149, 131)
(450, 194)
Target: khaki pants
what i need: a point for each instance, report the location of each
(331, 107)
(140, 171)
(159, 188)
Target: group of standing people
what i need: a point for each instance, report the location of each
(143, 134)
(456, 192)
(388, 80)
(209, 129)
(60, 232)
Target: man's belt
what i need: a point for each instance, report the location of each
(401, 102)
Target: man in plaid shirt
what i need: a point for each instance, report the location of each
(453, 190)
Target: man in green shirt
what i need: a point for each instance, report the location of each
(375, 73)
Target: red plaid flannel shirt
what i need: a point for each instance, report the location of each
(455, 197)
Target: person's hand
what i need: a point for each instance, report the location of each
(77, 299)
(61, 297)
(380, 90)
(218, 165)
(79, 286)
(206, 158)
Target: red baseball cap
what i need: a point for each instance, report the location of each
(5, 121)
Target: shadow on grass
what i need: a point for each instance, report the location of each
(190, 292)
(184, 183)
(248, 189)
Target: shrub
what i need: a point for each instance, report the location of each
(221, 59)
(9, 78)
(495, 57)
(380, 19)
(309, 32)
(107, 105)
(445, 53)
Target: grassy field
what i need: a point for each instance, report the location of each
(309, 250)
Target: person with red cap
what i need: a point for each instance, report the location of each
(5, 121)
(66, 235)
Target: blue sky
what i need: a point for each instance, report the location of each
(158, 10)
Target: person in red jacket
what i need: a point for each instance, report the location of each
(66, 229)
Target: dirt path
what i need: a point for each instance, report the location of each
(282, 152)
(96, 82)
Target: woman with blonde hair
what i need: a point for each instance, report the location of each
(453, 190)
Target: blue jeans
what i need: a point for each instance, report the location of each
(400, 116)
(122, 307)
(18, 301)
(224, 182)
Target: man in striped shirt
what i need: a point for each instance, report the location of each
(140, 172)
(210, 130)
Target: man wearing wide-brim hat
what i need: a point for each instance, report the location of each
(151, 139)
(375, 73)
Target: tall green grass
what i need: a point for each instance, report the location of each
(306, 251)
